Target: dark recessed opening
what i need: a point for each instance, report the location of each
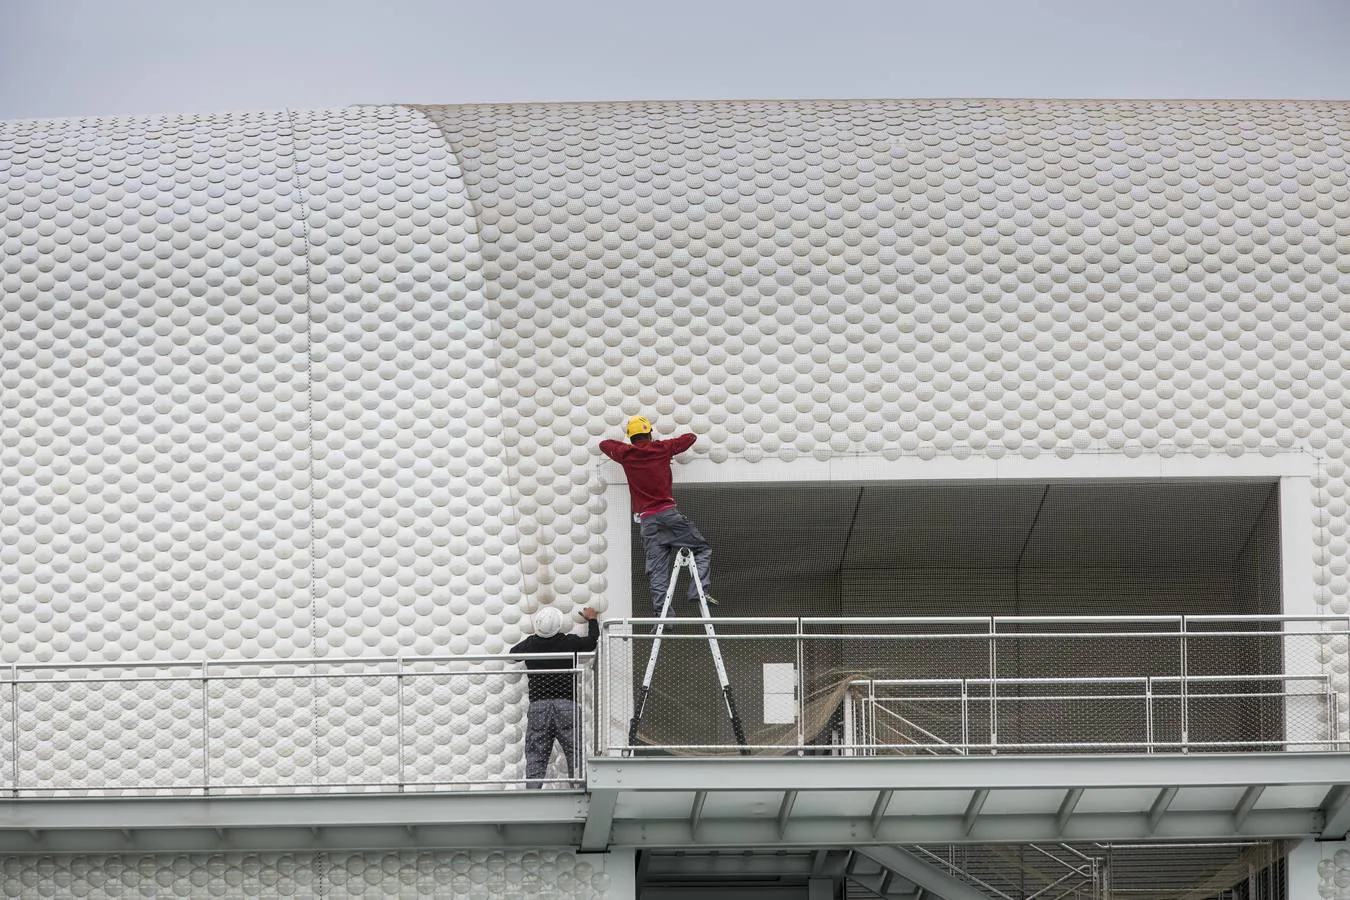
(979, 549)
(987, 548)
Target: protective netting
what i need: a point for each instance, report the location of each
(990, 549)
(881, 688)
(1237, 870)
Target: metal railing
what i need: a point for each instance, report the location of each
(835, 687)
(961, 685)
(209, 728)
(878, 722)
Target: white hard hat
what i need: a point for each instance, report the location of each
(547, 622)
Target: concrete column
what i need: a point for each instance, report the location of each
(1304, 878)
(820, 889)
(1296, 546)
(619, 867)
(617, 662)
(1302, 712)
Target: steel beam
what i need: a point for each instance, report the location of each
(926, 876)
(1336, 813)
(483, 836)
(777, 864)
(293, 811)
(809, 832)
(969, 772)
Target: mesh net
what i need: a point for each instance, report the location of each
(945, 553)
(1241, 870)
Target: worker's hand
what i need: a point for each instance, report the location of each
(588, 613)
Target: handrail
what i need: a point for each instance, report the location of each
(1343, 619)
(1096, 679)
(948, 636)
(302, 661)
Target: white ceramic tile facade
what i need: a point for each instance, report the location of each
(329, 383)
(155, 456)
(335, 876)
(1334, 876)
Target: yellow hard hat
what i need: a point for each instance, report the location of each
(639, 425)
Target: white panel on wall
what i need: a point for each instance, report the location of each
(780, 693)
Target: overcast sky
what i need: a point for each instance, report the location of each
(104, 57)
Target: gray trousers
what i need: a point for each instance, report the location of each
(662, 535)
(545, 722)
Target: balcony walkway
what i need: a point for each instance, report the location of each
(1200, 749)
(744, 803)
(800, 802)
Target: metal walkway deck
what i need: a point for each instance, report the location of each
(745, 803)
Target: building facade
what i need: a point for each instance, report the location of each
(325, 385)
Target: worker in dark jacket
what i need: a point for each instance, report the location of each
(664, 528)
(553, 710)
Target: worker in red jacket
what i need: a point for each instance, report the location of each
(664, 528)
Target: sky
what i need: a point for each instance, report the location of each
(62, 58)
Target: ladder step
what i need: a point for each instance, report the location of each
(685, 558)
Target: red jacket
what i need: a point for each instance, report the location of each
(647, 465)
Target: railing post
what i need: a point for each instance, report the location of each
(871, 717)
(595, 702)
(1333, 716)
(609, 712)
(801, 692)
(602, 692)
(850, 726)
(1335, 699)
(1148, 713)
(398, 734)
(14, 724)
(965, 717)
(1185, 689)
(578, 719)
(993, 686)
(206, 732)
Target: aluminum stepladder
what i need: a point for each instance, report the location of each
(685, 558)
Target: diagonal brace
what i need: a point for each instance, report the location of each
(1160, 806)
(977, 800)
(599, 820)
(925, 876)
